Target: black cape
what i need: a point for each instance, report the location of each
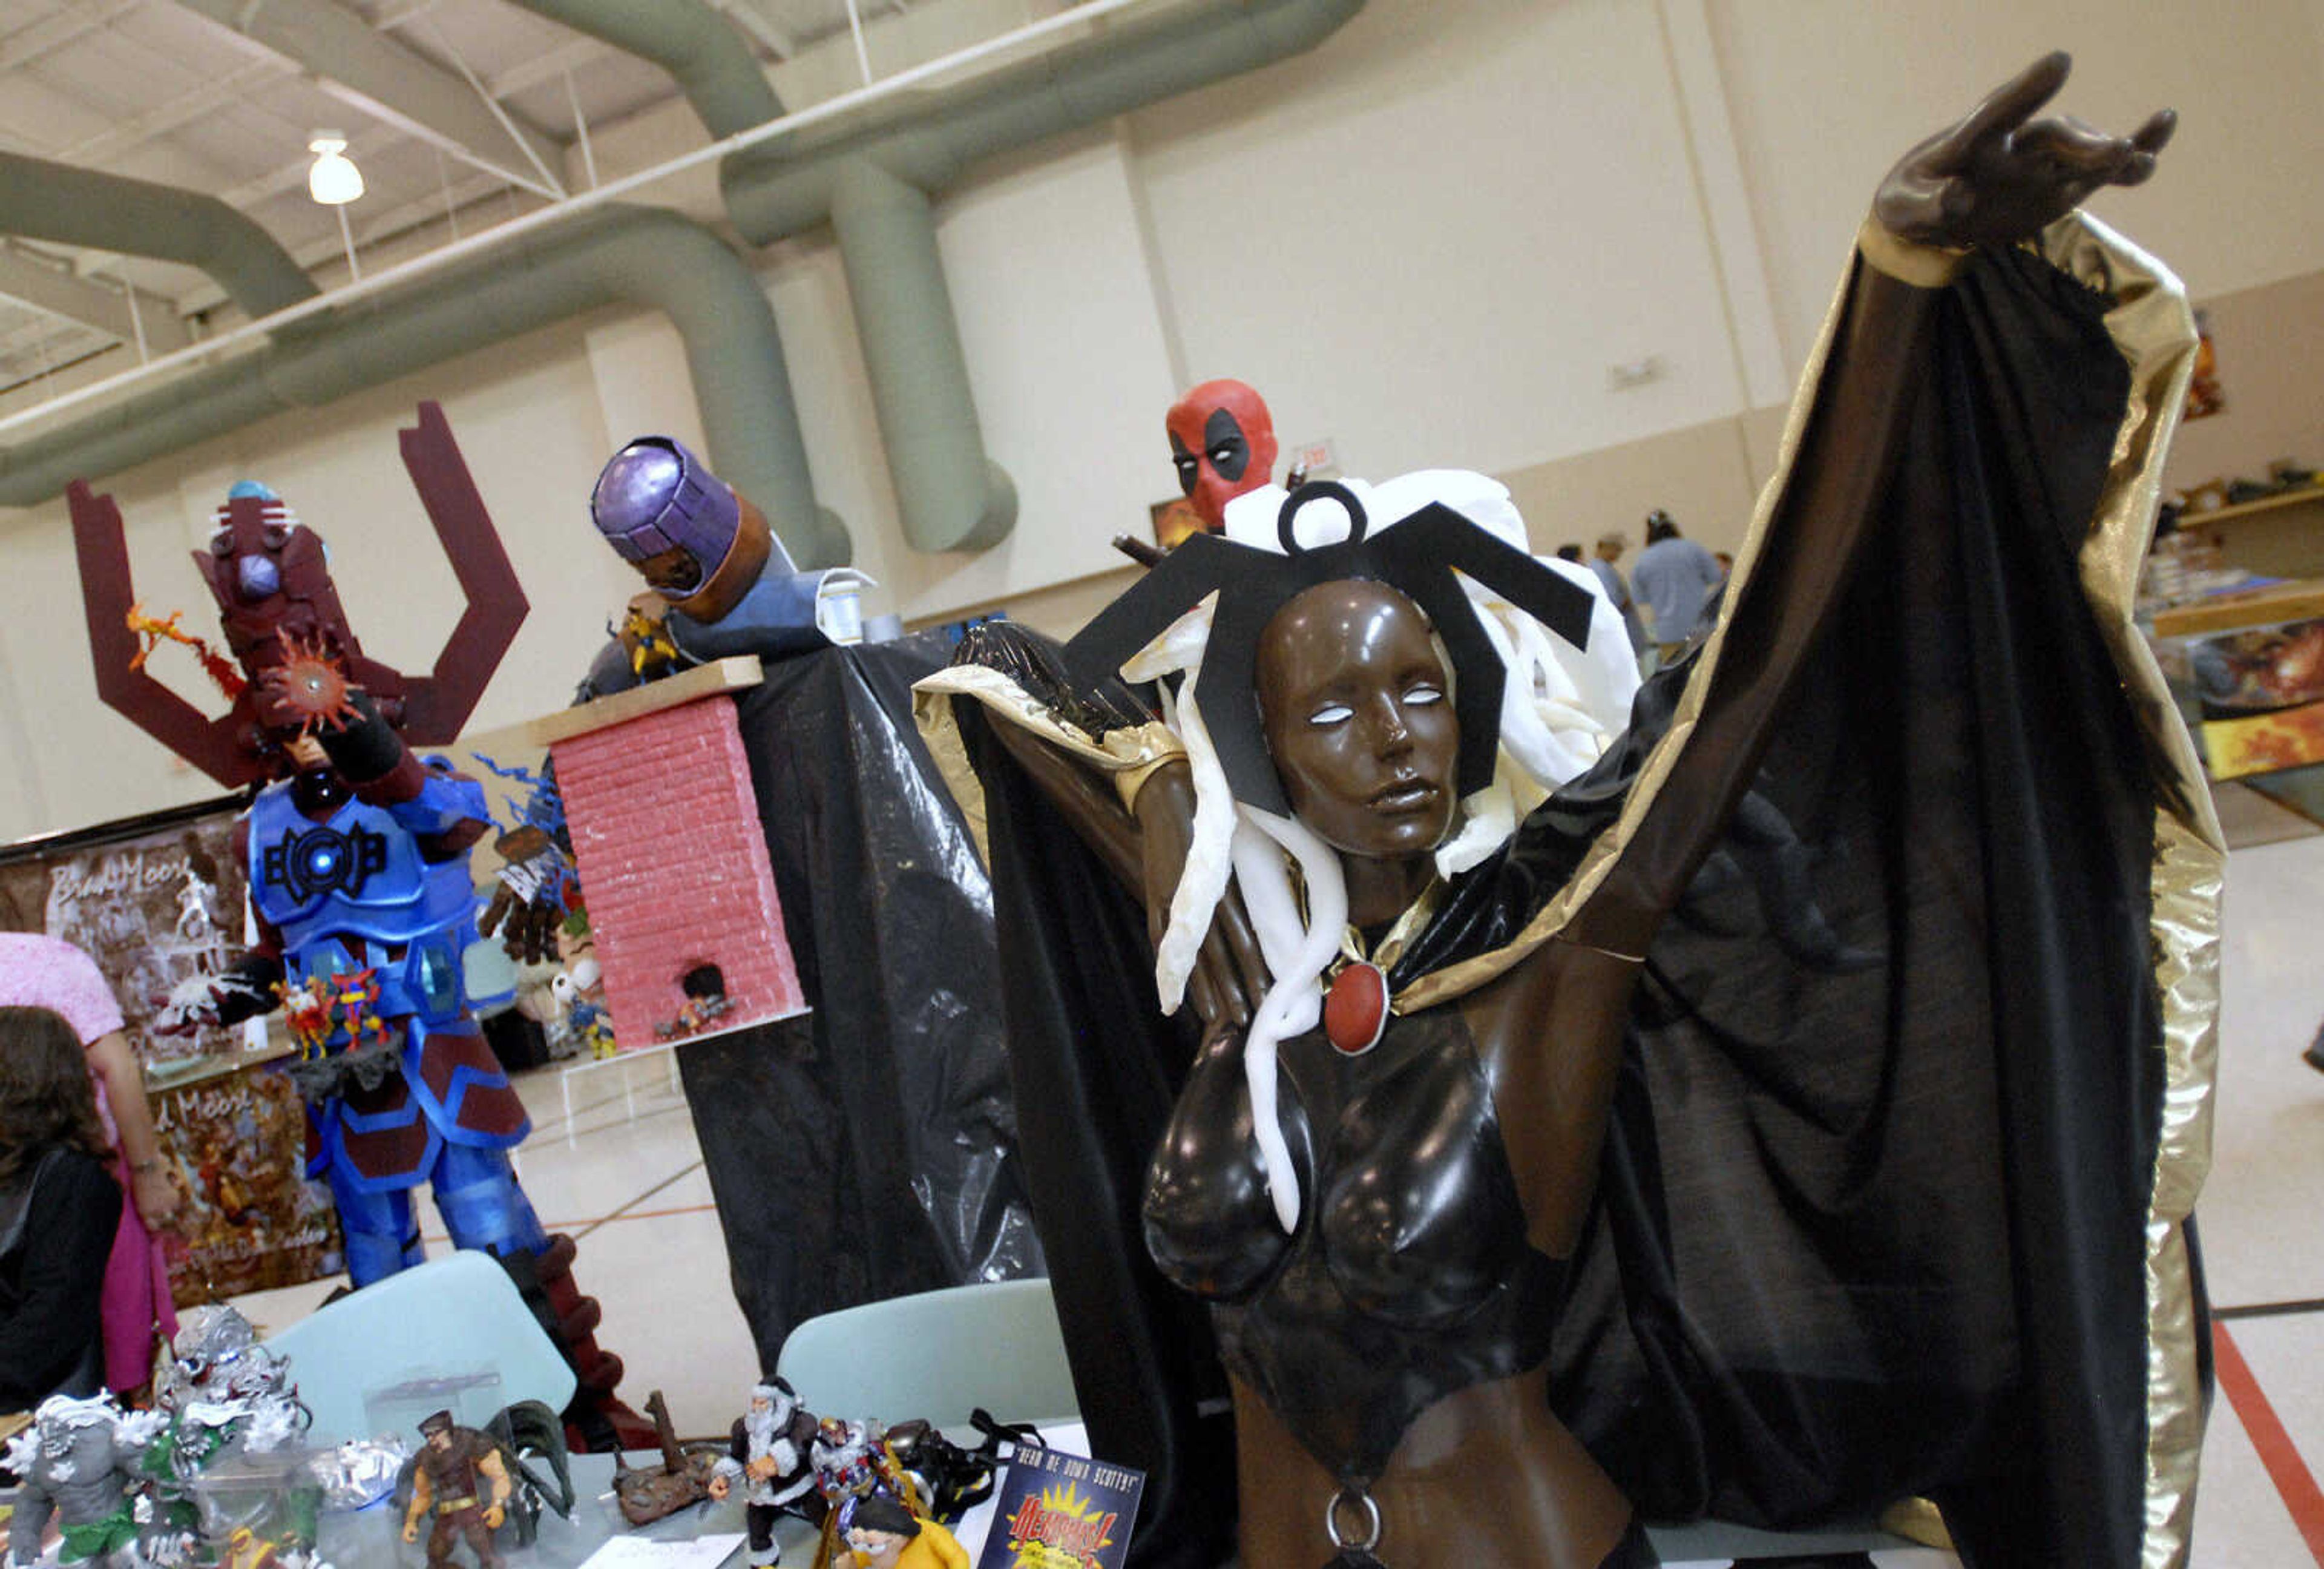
(1873, 1211)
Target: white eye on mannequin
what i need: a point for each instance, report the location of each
(1424, 692)
(1330, 713)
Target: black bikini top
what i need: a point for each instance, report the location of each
(1409, 1277)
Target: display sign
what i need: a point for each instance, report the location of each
(156, 900)
(1062, 1511)
(152, 910)
(251, 1220)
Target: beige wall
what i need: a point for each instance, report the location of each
(1428, 240)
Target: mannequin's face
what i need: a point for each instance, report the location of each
(1359, 716)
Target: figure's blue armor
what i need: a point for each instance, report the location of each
(356, 891)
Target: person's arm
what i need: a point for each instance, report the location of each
(150, 1184)
(76, 1209)
(1995, 178)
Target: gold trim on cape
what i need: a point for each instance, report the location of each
(1129, 755)
(1908, 261)
(2153, 325)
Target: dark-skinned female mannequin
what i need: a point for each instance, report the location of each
(1482, 1473)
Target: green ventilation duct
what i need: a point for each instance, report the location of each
(40, 200)
(873, 182)
(638, 257)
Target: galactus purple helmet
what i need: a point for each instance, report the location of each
(655, 496)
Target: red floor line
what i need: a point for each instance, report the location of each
(2294, 1482)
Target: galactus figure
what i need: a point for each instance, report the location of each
(358, 856)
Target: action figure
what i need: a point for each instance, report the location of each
(222, 1393)
(884, 1535)
(76, 1462)
(722, 583)
(460, 1480)
(357, 857)
(518, 1436)
(769, 1453)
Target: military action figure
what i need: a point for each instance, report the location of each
(455, 1465)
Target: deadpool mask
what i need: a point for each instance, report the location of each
(1222, 443)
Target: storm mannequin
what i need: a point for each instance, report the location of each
(1386, 1212)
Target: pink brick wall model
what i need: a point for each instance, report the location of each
(674, 865)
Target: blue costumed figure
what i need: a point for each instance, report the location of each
(358, 856)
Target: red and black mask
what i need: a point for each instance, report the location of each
(1222, 443)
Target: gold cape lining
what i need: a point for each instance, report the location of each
(2153, 325)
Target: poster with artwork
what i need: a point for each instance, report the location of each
(152, 911)
(251, 1220)
(156, 900)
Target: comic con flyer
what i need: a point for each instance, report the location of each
(1062, 1511)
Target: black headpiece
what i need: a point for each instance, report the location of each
(1416, 557)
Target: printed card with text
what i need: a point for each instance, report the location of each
(1062, 1511)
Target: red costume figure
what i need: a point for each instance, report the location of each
(1222, 444)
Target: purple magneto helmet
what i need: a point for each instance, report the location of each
(655, 497)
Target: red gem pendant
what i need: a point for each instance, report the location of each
(1355, 1010)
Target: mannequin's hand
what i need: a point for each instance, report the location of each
(2000, 176)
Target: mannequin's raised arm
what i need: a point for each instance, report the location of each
(1996, 178)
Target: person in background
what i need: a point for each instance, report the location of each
(1677, 578)
(1609, 550)
(59, 1212)
(1569, 553)
(43, 971)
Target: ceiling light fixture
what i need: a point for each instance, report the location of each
(334, 181)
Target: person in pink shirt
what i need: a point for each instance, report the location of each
(43, 971)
